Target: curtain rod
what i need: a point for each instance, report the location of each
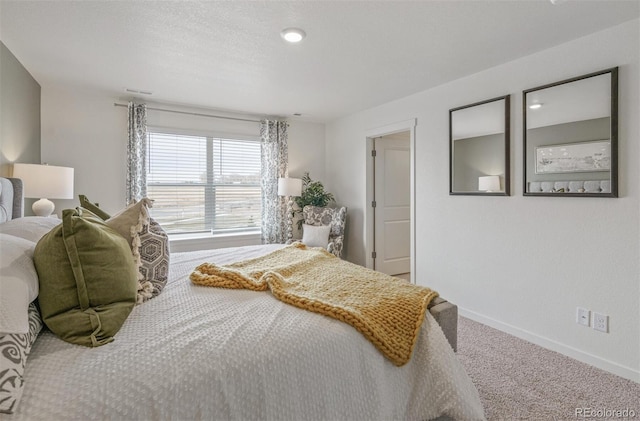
(191, 113)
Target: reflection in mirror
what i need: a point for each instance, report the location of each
(570, 137)
(479, 148)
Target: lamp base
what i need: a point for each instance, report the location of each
(43, 207)
(289, 220)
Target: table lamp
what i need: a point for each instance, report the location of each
(489, 183)
(45, 182)
(289, 187)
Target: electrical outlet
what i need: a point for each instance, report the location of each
(601, 322)
(583, 316)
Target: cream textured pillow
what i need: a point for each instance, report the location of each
(149, 244)
(18, 283)
(129, 221)
(315, 235)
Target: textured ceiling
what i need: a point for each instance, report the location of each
(228, 55)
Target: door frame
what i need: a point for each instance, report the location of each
(401, 126)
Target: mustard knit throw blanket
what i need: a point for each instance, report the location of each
(388, 311)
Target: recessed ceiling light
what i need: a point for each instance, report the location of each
(293, 35)
(535, 106)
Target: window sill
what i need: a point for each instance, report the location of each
(205, 241)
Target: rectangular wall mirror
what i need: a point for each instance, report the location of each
(571, 137)
(479, 148)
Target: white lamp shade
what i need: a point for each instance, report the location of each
(45, 181)
(289, 186)
(489, 183)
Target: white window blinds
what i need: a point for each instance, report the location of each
(201, 183)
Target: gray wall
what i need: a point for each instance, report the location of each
(19, 114)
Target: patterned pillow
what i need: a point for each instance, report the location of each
(14, 350)
(154, 255)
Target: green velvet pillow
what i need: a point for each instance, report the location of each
(93, 207)
(88, 279)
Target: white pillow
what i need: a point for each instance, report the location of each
(18, 283)
(30, 228)
(315, 235)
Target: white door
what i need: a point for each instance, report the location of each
(392, 198)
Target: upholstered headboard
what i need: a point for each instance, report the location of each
(11, 200)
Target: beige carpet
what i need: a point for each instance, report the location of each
(518, 380)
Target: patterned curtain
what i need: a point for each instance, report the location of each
(137, 153)
(275, 156)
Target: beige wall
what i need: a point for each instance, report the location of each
(19, 114)
(521, 264)
(84, 130)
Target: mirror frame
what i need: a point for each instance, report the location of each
(507, 148)
(613, 130)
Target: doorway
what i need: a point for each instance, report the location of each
(389, 236)
(391, 195)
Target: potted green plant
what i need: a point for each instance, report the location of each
(313, 194)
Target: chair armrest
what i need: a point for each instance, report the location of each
(335, 246)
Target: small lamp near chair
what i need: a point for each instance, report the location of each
(289, 187)
(489, 183)
(45, 182)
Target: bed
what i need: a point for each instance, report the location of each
(195, 353)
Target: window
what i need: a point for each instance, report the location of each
(204, 183)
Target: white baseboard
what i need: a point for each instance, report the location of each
(610, 366)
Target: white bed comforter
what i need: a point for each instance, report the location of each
(206, 353)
